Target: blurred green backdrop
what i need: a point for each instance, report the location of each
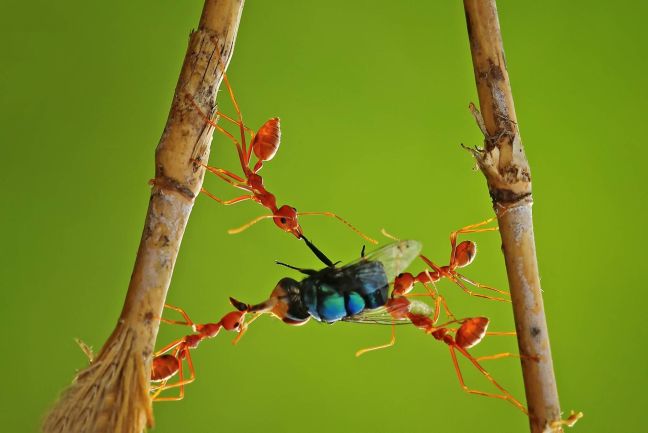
(373, 98)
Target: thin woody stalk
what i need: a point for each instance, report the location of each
(112, 394)
(507, 173)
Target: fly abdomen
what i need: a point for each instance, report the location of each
(332, 295)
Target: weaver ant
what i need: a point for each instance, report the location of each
(471, 332)
(264, 143)
(166, 365)
(461, 255)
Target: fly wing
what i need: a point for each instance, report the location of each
(378, 316)
(395, 257)
(382, 316)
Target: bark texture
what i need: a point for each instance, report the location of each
(507, 173)
(112, 394)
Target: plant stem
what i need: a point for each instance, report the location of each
(112, 394)
(507, 173)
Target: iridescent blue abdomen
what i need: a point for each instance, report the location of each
(331, 296)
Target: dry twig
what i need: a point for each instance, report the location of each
(507, 172)
(112, 394)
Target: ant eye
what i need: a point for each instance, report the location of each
(283, 220)
(236, 325)
(295, 209)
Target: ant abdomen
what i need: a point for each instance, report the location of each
(471, 332)
(465, 253)
(164, 367)
(267, 140)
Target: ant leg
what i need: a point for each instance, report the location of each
(241, 153)
(170, 346)
(388, 235)
(456, 277)
(223, 175)
(502, 333)
(187, 322)
(480, 285)
(226, 175)
(383, 346)
(157, 390)
(472, 228)
(247, 128)
(431, 264)
(210, 122)
(246, 152)
(505, 394)
(227, 202)
(501, 355)
(164, 386)
(229, 119)
(471, 293)
(229, 177)
(180, 383)
(449, 314)
(439, 301)
(339, 218)
(244, 328)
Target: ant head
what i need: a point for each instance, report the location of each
(285, 303)
(403, 284)
(233, 321)
(286, 219)
(465, 253)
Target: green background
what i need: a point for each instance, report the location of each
(373, 98)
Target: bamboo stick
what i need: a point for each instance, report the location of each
(112, 394)
(505, 166)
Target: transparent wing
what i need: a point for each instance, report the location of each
(381, 315)
(395, 257)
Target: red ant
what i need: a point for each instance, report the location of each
(461, 255)
(265, 144)
(166, 365)
(471, 331)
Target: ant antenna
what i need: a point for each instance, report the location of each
(347, 223)
(248, 225)
(386, 234)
